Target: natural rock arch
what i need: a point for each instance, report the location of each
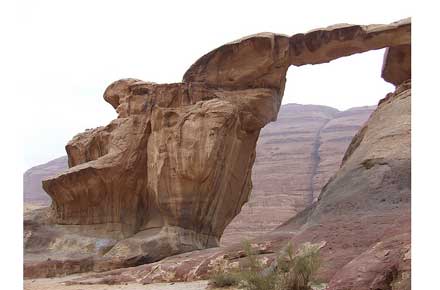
(174, 168)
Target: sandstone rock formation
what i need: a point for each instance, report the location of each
(296, 156)
(334, 138)
(397, 64)
(362, 217)
(175, 167)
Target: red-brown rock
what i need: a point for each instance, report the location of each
(174, 169)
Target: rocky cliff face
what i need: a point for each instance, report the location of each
(175, 165)
(173, 170)
(362, 219)
(296, 156)
(364, 212)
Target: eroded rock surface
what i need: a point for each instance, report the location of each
(296, 156)
(173, 170)
(362, 217)
(397, 64)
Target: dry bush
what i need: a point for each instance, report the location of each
(296, 271)
(222, 276)
(254, 275)
(290, 272)
(224, 279)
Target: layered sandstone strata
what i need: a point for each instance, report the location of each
(175, 167)
(293, 163)
(333, 140)
(296, 156)
(362, 218)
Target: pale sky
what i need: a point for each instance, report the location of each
(70, 51)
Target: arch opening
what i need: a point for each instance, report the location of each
(346, 82)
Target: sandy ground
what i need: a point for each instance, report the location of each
(27, 207)
(57, 284)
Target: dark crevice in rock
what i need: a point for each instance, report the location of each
(315, 161)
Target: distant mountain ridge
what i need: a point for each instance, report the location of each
(32, 189)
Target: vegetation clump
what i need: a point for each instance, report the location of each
(296, 271)
(290, 271)
(224, 279)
